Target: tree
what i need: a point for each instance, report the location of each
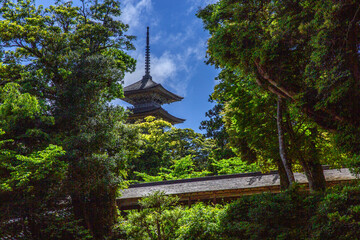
(250, 120)
(164, 146)
(250, 116)
(31, 179)
(72, 59)
(215, 130)
(182, 168)
(302, 51)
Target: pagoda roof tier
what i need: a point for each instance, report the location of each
(147, 86)
(158, 112)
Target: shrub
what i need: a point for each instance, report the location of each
(267, 216)
(338, 214)
(157, 220)
(200, 222)
(293, 214)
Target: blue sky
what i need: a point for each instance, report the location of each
(178, 47)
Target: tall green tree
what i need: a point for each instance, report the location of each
(72, 59)
(250, 118)
(303, 51)
(32, 176)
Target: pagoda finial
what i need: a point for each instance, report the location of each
(147, 55)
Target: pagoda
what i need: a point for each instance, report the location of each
(147, 96)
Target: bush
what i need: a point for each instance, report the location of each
(267, 216)
(200, 222)
(54, 225)
(157, 220)
(293, 214)
(338, 214)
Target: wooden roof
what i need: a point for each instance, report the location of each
(143, 84)
(159, 112)
(220, 187)
(147, 85)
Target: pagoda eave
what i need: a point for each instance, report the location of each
(167, 96)
(158, 113)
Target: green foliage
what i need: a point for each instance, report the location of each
(56, 225)
(215, 130)
(167, 150)
(266, 216)
(60, 226)
(60, 68)
(21, 114)
(249, 117)
(25, 171)
(184, 168)
(200, 222)
(157, 220)
(338, 214)
(354, 164)
(15, 105)
(293, 214)
(170, 153)
(234, 165)
(300, 50)
(153, 152)
(106, 144)
(29, 183)
(180, 169)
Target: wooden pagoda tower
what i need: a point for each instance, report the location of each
(147, 96)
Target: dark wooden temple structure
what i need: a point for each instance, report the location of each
(147, 96)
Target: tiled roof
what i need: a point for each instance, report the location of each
(139, 113)
(147, 85)
(143, 84)
(224, 186)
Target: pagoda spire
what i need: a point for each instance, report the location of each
(147, 55)
(147, 96)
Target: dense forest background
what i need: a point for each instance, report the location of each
(287, 99)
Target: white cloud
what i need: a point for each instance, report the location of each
(134, 11)
(198, 51)
(170, 69)
(196, 4)
(162, 68)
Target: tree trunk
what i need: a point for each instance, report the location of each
(97, 212)
(282, 145)
(311, 166)
(79, 207)
(318, 182)
(102, 212)
(314, 174)
(284, 181)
